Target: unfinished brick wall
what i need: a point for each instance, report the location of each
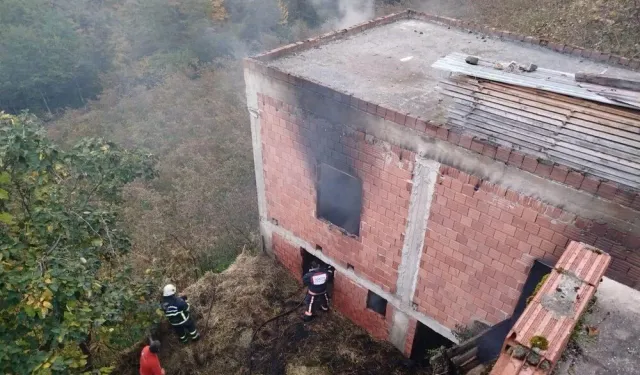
(481, 240)
(351, 300)
(288, 255)
(293, 143)
(348, 298)
(411, 334)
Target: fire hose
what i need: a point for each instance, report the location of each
(255, 333)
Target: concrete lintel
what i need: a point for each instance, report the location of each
(361, 281)
(425, 177)
(578, 202)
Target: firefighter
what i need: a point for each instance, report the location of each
(316, 281)
(149, 362)
(176, 309)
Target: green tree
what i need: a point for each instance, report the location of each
(64, 285)
(46, 60)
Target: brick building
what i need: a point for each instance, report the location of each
(432, 185)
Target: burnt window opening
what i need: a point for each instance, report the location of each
(376, 303)
(339, 199)
(426, 339)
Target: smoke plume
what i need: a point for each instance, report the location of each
(341, 14)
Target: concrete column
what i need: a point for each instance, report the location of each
(424, 181)
(253, 85)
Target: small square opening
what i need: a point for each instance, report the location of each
(376, 303)
(339, 199)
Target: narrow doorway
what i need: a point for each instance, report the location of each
(307, 259)
(425, 340)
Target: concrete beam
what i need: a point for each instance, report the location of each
(392, 299)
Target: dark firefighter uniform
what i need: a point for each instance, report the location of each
(316, 281)
(176, 309)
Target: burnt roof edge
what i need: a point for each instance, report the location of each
(567, 49)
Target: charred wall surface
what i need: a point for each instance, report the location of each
(295, 144)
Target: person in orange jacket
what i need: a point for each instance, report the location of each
(149, 362)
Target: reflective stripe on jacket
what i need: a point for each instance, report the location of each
(176, 310)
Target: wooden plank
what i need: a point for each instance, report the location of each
(465, 357)
(629, 131)
(511, 138)
(593, 117)
(532, 103)
(510, 103)
(597, 169)
(490, 114)
(630, 166)
(604, 130)
(514, 112)
(626, 116)
(586, 140)
(607, 80)
(491, 124)
(596, 159)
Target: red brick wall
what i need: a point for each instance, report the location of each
(288, 255)
(480, 244)
(348, 298)
(411, 334)
(288, 136)
(351, 300)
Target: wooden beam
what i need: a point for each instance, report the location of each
(609, 81)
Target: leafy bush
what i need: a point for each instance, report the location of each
(64, 287)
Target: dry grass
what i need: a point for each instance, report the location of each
(252, 290)
(201, 209)
(611, 26)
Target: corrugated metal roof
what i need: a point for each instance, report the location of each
(542, 79)
(594, 138)
(555, 309)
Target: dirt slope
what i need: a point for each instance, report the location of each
(252, 290)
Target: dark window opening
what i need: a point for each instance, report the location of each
(426, 339)
(339, 199)
(376, 303)
(307, 258)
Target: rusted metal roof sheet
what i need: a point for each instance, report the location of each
(600, 140)
(554, 311)
(542, 79)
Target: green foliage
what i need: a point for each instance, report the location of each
(537, 288)
(539, 342)
(63, 285)
(46, 59)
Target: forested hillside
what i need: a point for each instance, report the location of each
(138, 168)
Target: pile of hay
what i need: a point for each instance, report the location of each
(230, 306)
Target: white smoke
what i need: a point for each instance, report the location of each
(349, 12)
